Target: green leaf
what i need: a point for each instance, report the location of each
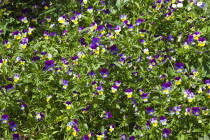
(119, 3)
(60, 118)
(197, 130)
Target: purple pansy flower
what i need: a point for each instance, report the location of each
(4, 118)
(166, 87)
(13, 126)
(166, 132)
(48, 65)
(179, 67)
(104, 72)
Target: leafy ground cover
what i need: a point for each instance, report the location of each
(95, 69)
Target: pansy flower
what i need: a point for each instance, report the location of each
(118, 83)
(69, 125)
(16, 137)
(129, 92)
(9, 87)
(139, 21)
(30, 30)
(6, 43)
(4, 118)
(178, 80)
(117, 29)
(68, 105)
(150, 110)
(196, 35)
(48, 65)
(17, 35)
(46, 35)
(142, 41)
(62, 19)
(141, 91)
(166, 87)
(24, 42)
(65, 83)
(101, 28)
(74, 19)
(114, 88)
(111, 127)
(145, 97)
(48, 18)
(179, 67)
(205, 110)
(190, 38)
(100, 90)
(24, 19)
(104, 72)
(123, 17)
(39, 116)
(163, 120)
(75, 59)
(13, 126)
(187, 111)
(201, 41)
(113, 49)
(108, 115)
(146, 51)
(153, 62)
(93, 26)
(148, 125)
(177, 109)
(162, 77)
(207, 82)
(166, 132)
(23, 106)
(185, 45)
(154, 121)
(201, 4)
(16, 77)
(196, 111)
(89, 9)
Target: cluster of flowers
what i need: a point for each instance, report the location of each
(92, 43)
